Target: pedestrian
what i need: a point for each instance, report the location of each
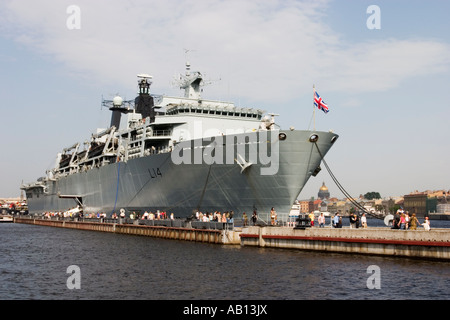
(321, 220)
(254, 218)
(312, 217)
(402, 221)
(352, 219)
(406, 220)
(396, 221)
(272, 216)
(337, 221)
(413, 222)
(364, 220)
(245, 219)
(426, 224)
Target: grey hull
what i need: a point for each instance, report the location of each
(155, 182)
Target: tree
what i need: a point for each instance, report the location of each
(372, 195)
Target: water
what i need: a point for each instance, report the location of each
(34, 262)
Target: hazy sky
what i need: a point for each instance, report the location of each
(388, 89)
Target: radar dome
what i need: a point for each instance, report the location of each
(117, 101)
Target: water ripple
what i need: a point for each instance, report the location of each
(34, 261)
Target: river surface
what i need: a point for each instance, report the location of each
(34, 262)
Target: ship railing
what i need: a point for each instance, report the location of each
(182, 223)
(174, 223)
(159, 133)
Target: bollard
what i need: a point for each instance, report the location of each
(303, 222)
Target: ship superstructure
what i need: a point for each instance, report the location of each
(182, 154)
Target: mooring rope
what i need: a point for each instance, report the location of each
(349, 197)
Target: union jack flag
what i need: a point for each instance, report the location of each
(319, 103)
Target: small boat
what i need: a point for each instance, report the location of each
(6, 219)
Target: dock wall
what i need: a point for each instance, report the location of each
(188, 234)
(433, 244)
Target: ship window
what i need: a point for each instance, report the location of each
(313, 138)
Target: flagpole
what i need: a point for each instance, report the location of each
(314, 107)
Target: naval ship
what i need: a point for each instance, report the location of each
(181, 155)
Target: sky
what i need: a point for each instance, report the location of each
(385, 75)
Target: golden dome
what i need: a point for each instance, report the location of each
(323, 192)
(323, 187)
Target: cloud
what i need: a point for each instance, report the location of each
(261, 50)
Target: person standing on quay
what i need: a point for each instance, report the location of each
(352, 219)
(402, 221)
(312, 217)
(426, 224)
(245, 219)
(337, 220)
(413, 222)
(254, 218)
(396, 221)
(272, 216)
(407, 220)
(321, 220)
(364, 220)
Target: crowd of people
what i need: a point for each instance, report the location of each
(355, 220)
(403, 221)
(158, 215)
(216, 216)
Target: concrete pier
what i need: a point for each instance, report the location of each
(188, 234)
(433, 244)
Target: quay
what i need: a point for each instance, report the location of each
(421, 244)
(433, 244)
(201, 232)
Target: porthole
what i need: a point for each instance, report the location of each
(313, 138)
(282, 136)
(333, 140)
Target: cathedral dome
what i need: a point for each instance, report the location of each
(323, 192)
